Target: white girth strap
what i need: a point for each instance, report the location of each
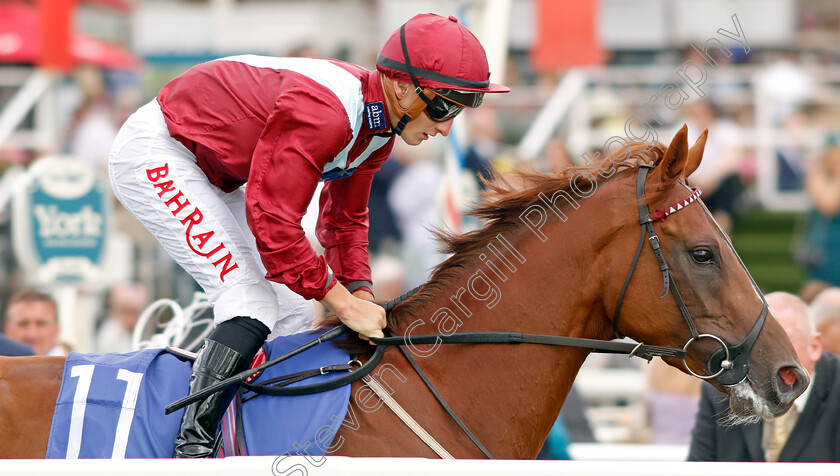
(398, 410)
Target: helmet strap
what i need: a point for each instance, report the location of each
(416, 108)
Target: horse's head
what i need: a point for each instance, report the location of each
(713, 308)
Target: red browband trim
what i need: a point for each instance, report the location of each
(662, 213)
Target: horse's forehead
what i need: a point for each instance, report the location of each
(688, 217)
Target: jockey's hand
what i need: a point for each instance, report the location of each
(361, 315)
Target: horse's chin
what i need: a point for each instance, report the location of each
(748, 406)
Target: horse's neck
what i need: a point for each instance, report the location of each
(512, 395)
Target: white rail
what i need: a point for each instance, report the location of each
(627, 452)
(551, 114)
(24, 99)
(334, 465)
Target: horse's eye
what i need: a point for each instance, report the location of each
(701, 255)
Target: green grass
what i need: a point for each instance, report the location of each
(764, 242)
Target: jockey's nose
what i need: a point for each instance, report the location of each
(443, 128)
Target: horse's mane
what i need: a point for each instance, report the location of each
(504, 199)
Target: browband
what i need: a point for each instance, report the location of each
(662, 213)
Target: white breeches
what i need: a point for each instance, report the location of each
(202, 227)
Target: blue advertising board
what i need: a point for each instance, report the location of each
(60, 222)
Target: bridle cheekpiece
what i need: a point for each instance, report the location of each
(729, 365)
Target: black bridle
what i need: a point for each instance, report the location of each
(728, 366)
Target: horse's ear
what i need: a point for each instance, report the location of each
(695, 154)
(673, 163)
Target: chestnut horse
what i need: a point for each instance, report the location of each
(554, 258)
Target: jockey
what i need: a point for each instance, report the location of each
(180, 164)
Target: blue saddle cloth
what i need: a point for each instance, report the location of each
(112, 405)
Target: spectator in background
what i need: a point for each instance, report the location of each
(575, 419)
(672, 400)
(555, 156)
(784, 85)
(10, 348)
(557, 443)
(125, 304)
(413, 198)
(825, 311)
(388, 277)
(93, 127)
(484, 144)
(32, 319)
(790, 155)
(572, 426)
(820, 252)
(812, 420)
(718, 176)
(383, 234)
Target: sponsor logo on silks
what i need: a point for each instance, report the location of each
(197, 240)
(336, 173)
(375, 115)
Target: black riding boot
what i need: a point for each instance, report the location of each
(226, 351)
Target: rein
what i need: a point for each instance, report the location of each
(646, 352)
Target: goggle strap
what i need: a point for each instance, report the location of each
(408, 67)
(422, 93)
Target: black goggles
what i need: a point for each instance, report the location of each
(444, 104)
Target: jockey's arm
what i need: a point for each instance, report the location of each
(343, 224)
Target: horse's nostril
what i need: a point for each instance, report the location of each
(791, 381)
(788, 376)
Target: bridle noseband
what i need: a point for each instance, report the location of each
(729, 365)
